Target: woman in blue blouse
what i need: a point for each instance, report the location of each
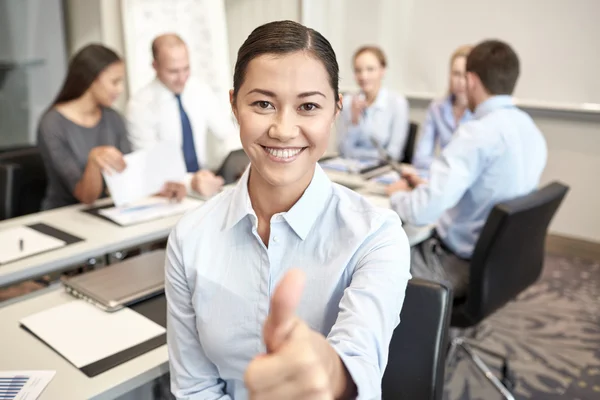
(444, 115)
(286, 286)
(374, 113)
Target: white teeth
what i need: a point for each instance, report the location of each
(283, 153)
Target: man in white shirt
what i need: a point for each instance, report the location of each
(176, 107)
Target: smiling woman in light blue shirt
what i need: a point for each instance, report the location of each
(287, 285)
(374, 113)
(444, 115)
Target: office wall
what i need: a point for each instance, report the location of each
(97, 21)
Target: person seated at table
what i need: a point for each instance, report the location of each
(497, 156)
(176, 107)
(81, 136)
(286, 286)
(375, 113)
(444, 115)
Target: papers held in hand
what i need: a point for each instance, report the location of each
(146, 172)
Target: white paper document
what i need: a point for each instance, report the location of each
(148, 209)
(22, 241)
(24, 385)
(146, 173)
(348, 165)
(83, 333)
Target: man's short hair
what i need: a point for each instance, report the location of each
(165, 40)
(496, 64)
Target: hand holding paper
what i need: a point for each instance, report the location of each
(147, 172)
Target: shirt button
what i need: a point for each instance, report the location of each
(274, 239)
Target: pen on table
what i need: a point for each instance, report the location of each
(21, 244)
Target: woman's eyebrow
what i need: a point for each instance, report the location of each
(302, 95)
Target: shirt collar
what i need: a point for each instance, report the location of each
(381, 100)
(301, 217)
(492, 104)
(164, 91)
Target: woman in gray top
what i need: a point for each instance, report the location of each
(81, 136)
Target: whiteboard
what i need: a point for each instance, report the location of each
(200, 23)
(556, 40)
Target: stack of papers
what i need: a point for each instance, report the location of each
(148, 209)
(22, 241)
(349, 165)
(83, 334)
(24, 385)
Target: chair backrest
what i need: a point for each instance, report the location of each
(409, 147)
(417, 356)
(22, 182)
(234, 166)
(509, 254)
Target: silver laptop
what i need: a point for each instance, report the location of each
(122, 284)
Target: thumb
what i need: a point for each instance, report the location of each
(282, 314)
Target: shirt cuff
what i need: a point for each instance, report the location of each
(367, 378)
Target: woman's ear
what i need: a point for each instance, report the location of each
(233, 107)
(339, 105)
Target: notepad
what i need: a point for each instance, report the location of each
(148, 209)
(22, 241)
(84, 334)
(24, 385)
(146, 173)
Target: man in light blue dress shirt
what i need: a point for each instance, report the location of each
(497, 156)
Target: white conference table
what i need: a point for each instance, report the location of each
(99, 236)
(20, 350)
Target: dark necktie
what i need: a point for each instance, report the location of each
(189, 150)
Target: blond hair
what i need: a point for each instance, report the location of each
(462, 51)
(376, 51)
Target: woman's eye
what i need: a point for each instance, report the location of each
(309, 107)
(263, 104)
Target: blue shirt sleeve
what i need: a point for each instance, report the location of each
(193, 376)
(399, 128)
(424, 151)
(451, 175)
(370, 307)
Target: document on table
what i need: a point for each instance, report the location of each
(146, 172)
(387, 178)
(24, 385)
(22, 241)
(83, 333)
(148, 209)
(349, 165)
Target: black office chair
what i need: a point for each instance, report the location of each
(508, 258)
(22, 182)
(234, 166)
(418, 347)
(409, 147)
